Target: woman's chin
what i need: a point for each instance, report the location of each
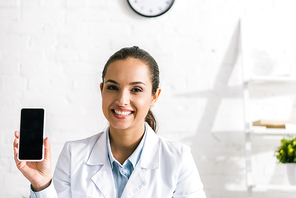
(120, 126)
(123, 125)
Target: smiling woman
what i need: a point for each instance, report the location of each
(127, 159)
(127, 90)
(138, 75)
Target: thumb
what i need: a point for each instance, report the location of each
(47, 152)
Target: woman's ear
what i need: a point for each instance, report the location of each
(155, 97)
(101, 87)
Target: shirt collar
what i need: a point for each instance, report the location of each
(135, 156)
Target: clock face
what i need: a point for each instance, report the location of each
(150, 8)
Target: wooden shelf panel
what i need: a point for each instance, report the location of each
(273, 79)
(274, 187)
(261, 130)
(273, 132)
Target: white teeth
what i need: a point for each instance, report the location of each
(122, 113)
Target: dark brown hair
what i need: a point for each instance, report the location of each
(145, 57)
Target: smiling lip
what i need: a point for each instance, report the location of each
(122, 113)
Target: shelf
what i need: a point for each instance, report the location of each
(264, 131)
(273, 79)
(274, 187)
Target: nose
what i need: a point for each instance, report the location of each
(123, 98)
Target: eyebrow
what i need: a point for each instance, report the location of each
(132, 83)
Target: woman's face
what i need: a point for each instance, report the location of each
(127, 93)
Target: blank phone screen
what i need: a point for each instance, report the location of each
(31, 134)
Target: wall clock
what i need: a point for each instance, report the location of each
(150, 8)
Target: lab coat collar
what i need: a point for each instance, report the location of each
(150, 153)
(149, 158)
(103, 178)
(99, 153)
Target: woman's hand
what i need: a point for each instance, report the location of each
(38, 173)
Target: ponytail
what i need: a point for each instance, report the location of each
(150, 119)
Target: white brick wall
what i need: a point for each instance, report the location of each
(52, 54)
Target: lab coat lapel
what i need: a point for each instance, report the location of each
(102, 178)
(136, 182)
(149, 160)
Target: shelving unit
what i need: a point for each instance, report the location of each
(250, 131)
(249, 81)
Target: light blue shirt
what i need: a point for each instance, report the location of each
(121, 173)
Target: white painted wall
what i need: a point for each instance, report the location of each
(52, 54)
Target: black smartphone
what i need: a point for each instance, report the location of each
(31, 134)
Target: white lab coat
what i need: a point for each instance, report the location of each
(166, 169)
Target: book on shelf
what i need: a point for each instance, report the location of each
(274, 124)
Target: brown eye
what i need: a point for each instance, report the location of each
(136, 89)
(112, 87)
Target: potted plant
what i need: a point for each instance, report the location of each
(286, 153)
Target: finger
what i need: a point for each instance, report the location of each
(15, 148)
(20, 165)
(17, 162)
(15, 143)
(17, 134)
(47, 152)
(15, 156)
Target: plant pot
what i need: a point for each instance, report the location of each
(291, 171)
